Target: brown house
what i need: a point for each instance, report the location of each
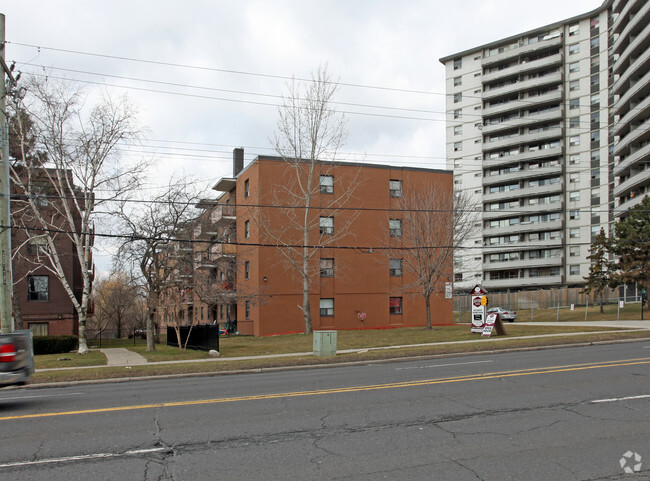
(354, 284)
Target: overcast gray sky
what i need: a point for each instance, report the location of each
(209, 72)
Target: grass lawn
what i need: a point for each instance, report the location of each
(236, 346)
(70, 359)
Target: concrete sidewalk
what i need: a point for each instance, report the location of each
(120, 356)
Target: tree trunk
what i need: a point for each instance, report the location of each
(83, 345)
(602, 302)
(427, 302)
(306, 306)
(151, 345)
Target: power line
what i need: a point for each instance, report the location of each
(213, 69)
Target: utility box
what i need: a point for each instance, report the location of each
(325, 343)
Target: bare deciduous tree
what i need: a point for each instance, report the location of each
(150, 229)
(64, 191)
(116, 302)
(308, 137)
(433, 221)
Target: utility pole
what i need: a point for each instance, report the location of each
(6, 276)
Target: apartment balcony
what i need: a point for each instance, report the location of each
(522, 68)
(640, 43)
(518, 283)
(522, 174)
(556, 114)
(637, 182)
(529, 155)
(524, 192)
(640, 89)
(538, 82)
(525, 103)
(523, 228)
(220, 250)
(641, 155)
(541, 208)
(523, 245)
(627, 205)
(638, 134)
(522, 51)
(524, 139)
(631, 116)
(640, 17)
(524, 264)
(623, 18)
(621, 85)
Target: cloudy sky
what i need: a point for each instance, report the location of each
(206, 75)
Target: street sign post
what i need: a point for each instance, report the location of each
(479, 301)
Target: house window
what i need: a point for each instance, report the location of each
(327, 225)
(574, 233)
(458, 81)
(327, 267)
(574, 85)
(247, 189)
(458, 130)
(327, 307)
(574, 67)
(574, 30)
(395, 188)
(458, 64)
(247, 308)
(326, 184)
(574, 214)
(247, 229)
(247, 270)
(396, 267)
(574, 196)
(395, 226)
(458, 97)
(574, 269)
(39, 328)
(395, 305)
(574, 178)
(574, 122)
(574, 140)
(574, 48)
(574, 251)
(458, 113)
(38, 288)
(574, 104)
(458, 146)
(574, 159)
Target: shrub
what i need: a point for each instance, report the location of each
(54, 344)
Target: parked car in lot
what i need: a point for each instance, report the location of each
(504, 314)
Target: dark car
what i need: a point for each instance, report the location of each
(504, 314)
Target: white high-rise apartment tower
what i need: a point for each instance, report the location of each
(548, 131)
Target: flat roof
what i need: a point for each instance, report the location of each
(606, 4)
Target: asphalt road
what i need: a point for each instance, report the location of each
(560, 414)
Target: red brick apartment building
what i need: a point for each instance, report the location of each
(354, 284)
(39, 297)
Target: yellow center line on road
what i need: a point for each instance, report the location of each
(373, 387)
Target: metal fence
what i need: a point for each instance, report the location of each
(561, 298)
(202, 337)
(115, 338)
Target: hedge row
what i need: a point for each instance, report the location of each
(55, 344)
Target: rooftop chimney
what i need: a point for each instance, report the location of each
(237, 161)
